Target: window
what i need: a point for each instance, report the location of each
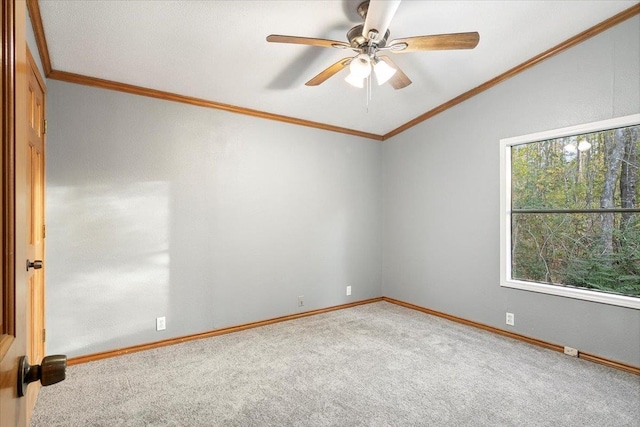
(570, 217)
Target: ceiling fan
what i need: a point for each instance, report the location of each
(371, 38)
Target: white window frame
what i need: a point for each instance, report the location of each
(505, 215)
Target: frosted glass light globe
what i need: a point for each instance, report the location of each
(360, 66)
(354, 81)
(383, 71)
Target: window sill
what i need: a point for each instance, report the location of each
(576, 293)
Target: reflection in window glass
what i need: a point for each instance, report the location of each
(574, 211)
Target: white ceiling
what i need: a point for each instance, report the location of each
(216, 50)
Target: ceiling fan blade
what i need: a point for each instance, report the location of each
(276, 38)
(435, 42)
(328, 72)
(379, 16)
(399, 79)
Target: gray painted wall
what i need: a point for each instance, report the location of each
(209, 218)
(214, 219)
(441, 197)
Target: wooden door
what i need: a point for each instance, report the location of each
(13, 329)
(36, 233)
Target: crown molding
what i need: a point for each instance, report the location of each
(567, 44)
(36, 21)
(168, 96)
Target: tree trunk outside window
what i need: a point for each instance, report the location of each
(615, 147)
(629, 176)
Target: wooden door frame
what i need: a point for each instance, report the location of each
(13, 222)
(7, 156)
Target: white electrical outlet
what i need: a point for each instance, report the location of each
(161, 323)
(511, 319)
(570, 351)
(301, 301)
(348, 290)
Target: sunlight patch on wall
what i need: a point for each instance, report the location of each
(107, 252)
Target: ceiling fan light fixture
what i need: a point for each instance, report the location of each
(355, 81)
(383, 71)
(372, 37)
(361, 66)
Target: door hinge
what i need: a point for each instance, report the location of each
(44, 335)
(44, 231)
(44, 127)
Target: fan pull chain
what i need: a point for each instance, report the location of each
(366, 94)
(368, 91)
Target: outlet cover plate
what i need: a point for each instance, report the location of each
(511, 319)
(348, 290)
(161, 323)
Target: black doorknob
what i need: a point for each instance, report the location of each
(52, 370)
(36, 264)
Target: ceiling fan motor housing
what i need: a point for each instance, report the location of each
(357, 40)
